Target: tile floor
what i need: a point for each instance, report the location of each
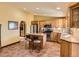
(51, 49)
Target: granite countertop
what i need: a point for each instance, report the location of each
(70, 38)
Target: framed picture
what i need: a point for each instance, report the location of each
(12, 25)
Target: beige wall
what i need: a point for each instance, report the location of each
(8, 13)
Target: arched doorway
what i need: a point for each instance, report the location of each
(22, 29)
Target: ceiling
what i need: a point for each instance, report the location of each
(44, 8)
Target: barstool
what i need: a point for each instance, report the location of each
(28, 39)
(37, 43)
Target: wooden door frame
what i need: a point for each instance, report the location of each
(0, 35)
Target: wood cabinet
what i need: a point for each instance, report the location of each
(74, 16)
(65, 50)
(56, 37)
(54, 21)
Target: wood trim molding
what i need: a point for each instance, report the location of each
(35, 21)
(75, 5)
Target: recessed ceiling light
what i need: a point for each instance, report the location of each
(37, 8)
(24, 8)
(58, 8)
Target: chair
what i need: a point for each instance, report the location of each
(37, 43)
(34, 42)
(28, 39)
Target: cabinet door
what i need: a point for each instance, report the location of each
(54, 36)
(74, 15)
(65, 49)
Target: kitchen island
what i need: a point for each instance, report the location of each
(40, 36)
(69, 46)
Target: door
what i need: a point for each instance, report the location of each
(22, 29)
(0, 35)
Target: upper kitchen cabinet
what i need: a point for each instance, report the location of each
(74, 16)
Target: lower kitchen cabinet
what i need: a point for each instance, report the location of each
(65, 50)
(56, 37)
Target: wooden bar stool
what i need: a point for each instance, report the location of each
(37, 43)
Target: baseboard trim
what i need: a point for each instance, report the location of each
(10, 44)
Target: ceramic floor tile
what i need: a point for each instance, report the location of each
(18, 50)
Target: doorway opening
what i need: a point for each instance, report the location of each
(22, 29)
